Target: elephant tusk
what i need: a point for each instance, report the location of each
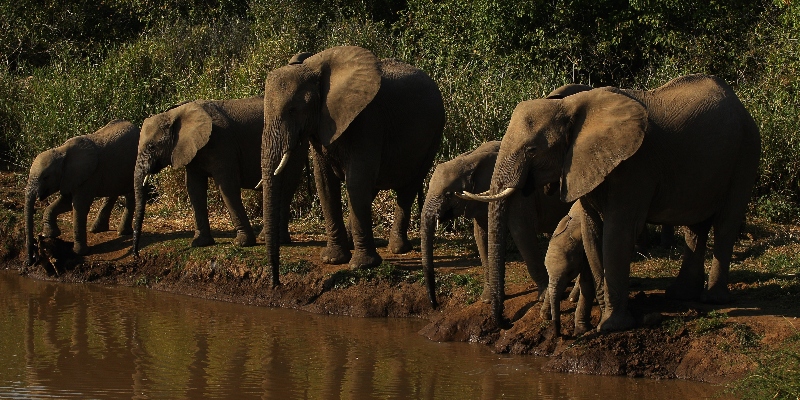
(486, 198)
(146, 178)
(282, 165)
(258, 185)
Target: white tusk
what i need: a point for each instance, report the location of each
(437, 225)
(486, 198)
(146, 178)
(282, 165)
(258, 185)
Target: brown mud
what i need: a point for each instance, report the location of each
(683, 340)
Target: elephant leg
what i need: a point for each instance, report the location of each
(80, 211)
(479, 226)
(330, 198)
(522, 226)
(126, 222)
(360, 198)
(583, 310)
(101, 220)
(591, 234)
(60, 205)
(619, 236)
(197, 187)
(726, 230)
(575, 294)
(398, 238)
(691, 278)
(232, 196)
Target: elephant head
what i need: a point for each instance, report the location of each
(314, 101)
(568, 144)
(470, 171)
(61, 169)
(171, 138)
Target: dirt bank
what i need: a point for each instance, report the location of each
(682, 340)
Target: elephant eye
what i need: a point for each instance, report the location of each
(530, 149)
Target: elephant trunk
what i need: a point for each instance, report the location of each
(271, 208)
(426, 234)
(496, 251)
(139, 191)
(30, 200)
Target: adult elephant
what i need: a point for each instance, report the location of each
(82, 169)
(374, 124)
(219, 139)
(683, 154)
(528, 215)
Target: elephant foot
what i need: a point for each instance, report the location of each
(683, 292)
(335, 254)
(80, 248)
(99, 226)
(365, 259)
(124, 231)
(616, 321)
(399, 245)
(545, 313)
(486, 297)
(50, 230)
(244, 240)
(202, 240)
(262, 235)
(581, 328)
(718, 294)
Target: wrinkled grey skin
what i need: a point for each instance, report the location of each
(82, 169)
(220, 139)
(372, 124)
(684, 154)
(472, 171)
(565, 260)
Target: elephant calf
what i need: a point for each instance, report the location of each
(83, 168)
(529, 215)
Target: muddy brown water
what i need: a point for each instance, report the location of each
(90, 341)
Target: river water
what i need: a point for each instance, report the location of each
(91, 341)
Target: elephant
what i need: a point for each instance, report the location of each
(565, 260)
(686, 153)
(211, 138)
(473, 171)
(85, 167)
(374, 124)
(532, 214)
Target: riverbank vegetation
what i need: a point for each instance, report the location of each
(68, 67)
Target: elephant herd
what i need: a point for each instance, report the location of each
(589, 166)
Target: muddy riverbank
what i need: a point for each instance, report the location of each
(683, 340)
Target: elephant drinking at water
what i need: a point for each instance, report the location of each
(686, 153)
(372, 124)
(83, 168)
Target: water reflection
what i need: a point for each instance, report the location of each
(84, 341)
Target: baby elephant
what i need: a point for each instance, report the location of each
(80, 170)
(528, 215)
(565, 260)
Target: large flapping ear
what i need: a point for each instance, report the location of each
(79, 162)
(349, 80)
(605, 129)
(568, 90)
(191, 126)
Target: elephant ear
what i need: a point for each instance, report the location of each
(605, 129)
(349, 80)
(79, 162)
(191, 127)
